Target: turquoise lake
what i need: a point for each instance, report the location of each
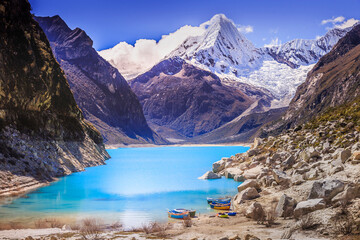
(137, 185)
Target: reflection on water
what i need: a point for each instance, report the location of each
(137, 185)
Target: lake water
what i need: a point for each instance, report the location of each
(137, 185)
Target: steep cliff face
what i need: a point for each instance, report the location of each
(42, 131)
(187, 99)
(333, 81)
(101, 92)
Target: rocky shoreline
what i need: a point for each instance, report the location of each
(308, 175)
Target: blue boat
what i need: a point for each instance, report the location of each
(178, 215)
(219, 200)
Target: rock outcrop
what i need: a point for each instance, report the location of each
(43, 134)
(101, 92)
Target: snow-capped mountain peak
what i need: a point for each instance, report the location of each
(221, 48)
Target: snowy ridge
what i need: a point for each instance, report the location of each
(305, 51)
(221, 48)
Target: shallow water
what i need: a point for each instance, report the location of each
(137, 185)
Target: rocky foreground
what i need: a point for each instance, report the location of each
(309, 175)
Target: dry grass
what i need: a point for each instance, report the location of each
(307, 223)
(90, 228)
(187, 223)
(156, 229)
(11, 225)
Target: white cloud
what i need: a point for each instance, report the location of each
(245, 29)
(348, 23)
(340, 22)
(333, 20)
(274, 42)
(132, 60)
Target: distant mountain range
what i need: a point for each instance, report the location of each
(273, 73)
(99, 89)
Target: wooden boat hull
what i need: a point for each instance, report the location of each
(175, 215)
(220, 206)
(219, 200)
(191, 212)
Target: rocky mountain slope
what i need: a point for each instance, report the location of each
(99, 89)
(308, 174)
(43, 134)
(187, 99)
(334, 80)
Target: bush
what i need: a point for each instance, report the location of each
(90, 228)
(155, 228)
(187, 222)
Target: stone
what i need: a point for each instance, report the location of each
(326, 189)
(308, 206)
(356, 155)
(257, 142)
(252, 152)
(247, 194)
(351, 192)
(210, 175)
(231, 172)
(219, 165)
(66, 228)
(345, 155)
(249, 184)
(289, 162)
(281, 178)
(285, 206)
(239, 178)
(313, 153)
(251, 237)
(255, 211)
(253, 173)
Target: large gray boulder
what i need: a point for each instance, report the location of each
(219, 165)
(289, 162)
(249, 184)
(285, 206)
(308, 206)
(231, 172)
(281, 178)
(326, 189)
(239, 178)
(247, 194)
(255, 212)
(210, 175)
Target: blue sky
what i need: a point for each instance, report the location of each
(109, 22)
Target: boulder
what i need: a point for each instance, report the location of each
(356, 155)
(285, 206)
(255, 212)
(247, 194)
(210, 175)
(345, 155)
(219, 165)
(251, 237)
(289, 162)
(308, 206)
(239, 178)
(313, 153)
(326, 189)
(249, 184)
(281, 178)
(253, 173)
(231, 172)
(351, 192)
(252, 152)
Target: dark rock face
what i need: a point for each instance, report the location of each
(42, 131)
(101, 92)
(187, 99)
(334, 80)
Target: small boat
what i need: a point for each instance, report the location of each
(191, 212)
(220, 206)
(231, 213)
(178, 215)
(222, 215)
(219, 200)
